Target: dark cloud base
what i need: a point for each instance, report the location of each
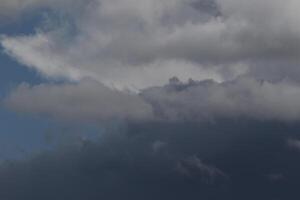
(239, 159)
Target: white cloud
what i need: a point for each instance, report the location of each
(39, 52)
(138, 44)
(126, 38)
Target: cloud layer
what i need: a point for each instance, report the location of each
(177, 101)
(142, 43)
(217, 130)
(209, 161)
(88, 100)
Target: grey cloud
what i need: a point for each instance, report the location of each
(164, 38)
(207, 100)
(243, 97)
(294, 144)
(16, 8)
(88, 100)
(193, 167)
(124, 44)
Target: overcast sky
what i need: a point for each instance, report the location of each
(149, 99)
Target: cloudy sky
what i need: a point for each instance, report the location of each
(149, 99)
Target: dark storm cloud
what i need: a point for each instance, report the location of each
(230, 132)
(200, 161)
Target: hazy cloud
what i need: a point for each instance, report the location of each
(88, 100)
(294, 144)
(243, 97)
(177, 101)
(193, 168)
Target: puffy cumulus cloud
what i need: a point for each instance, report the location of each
(139, 43)
(87, 100)
(267, 29)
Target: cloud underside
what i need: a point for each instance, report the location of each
(193, 161)
(136, 45)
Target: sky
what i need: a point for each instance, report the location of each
(149, 99)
